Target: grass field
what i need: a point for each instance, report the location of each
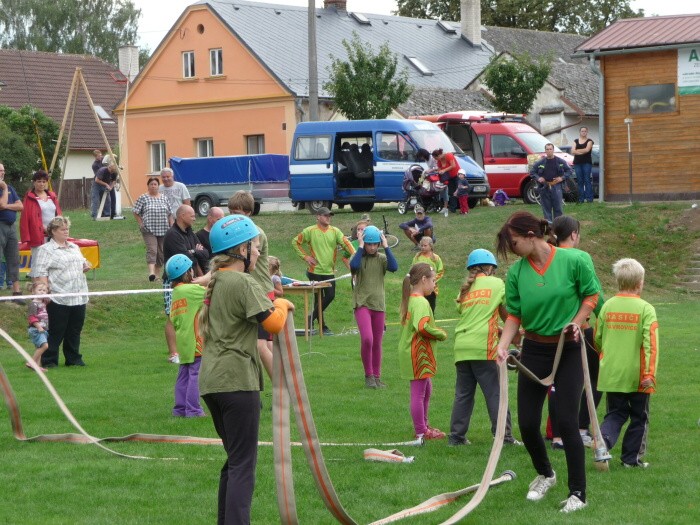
(127, 387)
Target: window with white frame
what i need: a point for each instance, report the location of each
(188, 64)
(157, 156)
(205, 147)
(216, 64)
(255, 144)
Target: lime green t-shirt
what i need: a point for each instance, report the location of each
(323, 246)
(416, 355)
(186, 301)
(261, 273)
(588, 260)
(546, 300)
(476, 334)
(230, 361)
(369, 283)
(435, 262)
(627, 337)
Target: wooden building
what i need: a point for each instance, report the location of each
(650, 89)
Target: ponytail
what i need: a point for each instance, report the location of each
(487, 269)
(219, 261)
(413, 277)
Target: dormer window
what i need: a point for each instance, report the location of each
(188, 64)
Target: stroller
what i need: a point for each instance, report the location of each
(421, 187)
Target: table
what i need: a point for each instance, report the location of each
(307, 289)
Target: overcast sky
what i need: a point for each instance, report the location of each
(158, 16)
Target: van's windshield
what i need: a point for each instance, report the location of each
(435, 139)
(535, 142)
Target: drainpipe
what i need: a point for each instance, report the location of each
(601, 126)
(300, 109)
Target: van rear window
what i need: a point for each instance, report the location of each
(315, 147)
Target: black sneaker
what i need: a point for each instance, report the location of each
(327, 331)
(20, 302)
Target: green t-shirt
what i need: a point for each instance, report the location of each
(230, 362)
(546, 300)
(476, 334)
(186, 301)
(416, 356)
(323, 246)
(627, 337)
(261, 273)
(588, 260)
(436, 264)
(369, 283)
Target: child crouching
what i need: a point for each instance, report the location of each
(187, 299)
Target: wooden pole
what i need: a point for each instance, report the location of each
(74, 104)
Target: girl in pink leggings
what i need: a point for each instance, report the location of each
(416, 357)
(368, 267)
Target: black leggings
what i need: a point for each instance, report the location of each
(539, 358)
(328, 295)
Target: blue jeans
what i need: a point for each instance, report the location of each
(585, 184)
(96, 192)
(551, 199)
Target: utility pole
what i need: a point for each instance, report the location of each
(313, 64)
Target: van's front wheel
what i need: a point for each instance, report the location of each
(530, 193)
(362, 206)
(315, 206)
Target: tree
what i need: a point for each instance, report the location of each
(543, 15)
(19, 150)
(93, 27)
(367, 85)
(515, 83)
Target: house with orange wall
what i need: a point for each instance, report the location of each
(231, 77)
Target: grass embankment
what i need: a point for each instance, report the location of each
(127, 388)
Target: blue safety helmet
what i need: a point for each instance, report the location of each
(481, 256)
(372, 235)
(177, 266)
(231, 231)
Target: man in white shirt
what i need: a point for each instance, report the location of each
(176, 192)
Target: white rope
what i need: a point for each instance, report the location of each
(83, 294)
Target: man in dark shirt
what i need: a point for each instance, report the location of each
(181, 239)
(550, 172)
(104, 181)
(214, 215)
(419, 227)
(10, 204)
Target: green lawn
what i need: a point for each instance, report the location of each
(127, 388)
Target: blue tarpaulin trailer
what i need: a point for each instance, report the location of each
(212, 180)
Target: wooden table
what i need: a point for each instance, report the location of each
(307, 289)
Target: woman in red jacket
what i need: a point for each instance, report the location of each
(448, 170)
(40, 207)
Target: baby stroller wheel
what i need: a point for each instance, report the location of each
(403, 207)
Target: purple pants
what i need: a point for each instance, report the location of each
(370, 323)
(420, 402)
(187, 391)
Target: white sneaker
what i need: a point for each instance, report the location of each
(446, 212)
(174, 359)
(587, 440)
(540, 485)
(572, 504)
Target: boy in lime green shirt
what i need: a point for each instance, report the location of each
(627, 339)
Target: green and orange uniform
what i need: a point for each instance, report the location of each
(418, 331)
(436, 264)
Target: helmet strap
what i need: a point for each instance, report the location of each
(246, 262)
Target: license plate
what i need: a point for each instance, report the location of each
(479, 189)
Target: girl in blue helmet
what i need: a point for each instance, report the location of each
(368, 267)
(187, 299)
(481, 301)
(231, 376)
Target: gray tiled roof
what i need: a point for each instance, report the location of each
(434, 101)
(534, 43)
(277, 35)
(579, 83)
(43, 80)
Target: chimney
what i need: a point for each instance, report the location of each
(129, 61)
(340, 5)
(470, 24)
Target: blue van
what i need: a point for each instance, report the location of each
(360, 162)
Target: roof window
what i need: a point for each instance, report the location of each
(422, 68)
(361, 19)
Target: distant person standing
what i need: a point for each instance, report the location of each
(550, 172)
(215, 213)
(176, 192)
(322, 241)
(97, 163)
(40, 207)
(10, 204)
(105, 179)
(583, 164)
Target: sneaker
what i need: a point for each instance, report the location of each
(433, 433)
(370, 382)
(446, 212)
(327, 331)
(540, 485)
(512, 441)
(557, 445)
(641, 464)
(174, 359)
(20, 302)
(457, 442)
(587, 440)
(379, 383)
(152, 277)
(572, 504)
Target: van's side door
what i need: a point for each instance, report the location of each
(505, 162)
(393, 153)
(311, 168)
